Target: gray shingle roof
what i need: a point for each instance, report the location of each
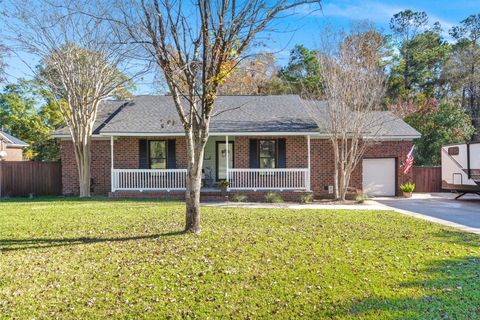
(389, 124)
(232, 114)
(380, 123)
(106, 111)
(154, 114)
(11, 140)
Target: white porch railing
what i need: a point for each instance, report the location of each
(269, 179)
(239, 179)
(149, 179)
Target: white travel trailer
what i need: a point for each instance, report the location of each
(461, 168)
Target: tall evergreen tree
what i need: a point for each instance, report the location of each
(406, 25)
(422, 52)
(302, 73)
(463, 68)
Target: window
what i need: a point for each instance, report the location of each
(453, 151)
(267, 154)
(157, 154)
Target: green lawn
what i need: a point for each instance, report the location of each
(128, 259)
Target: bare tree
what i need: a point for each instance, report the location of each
(3, 48)
(3, 52)
(80, 66)
(354, 90)
(196, 44)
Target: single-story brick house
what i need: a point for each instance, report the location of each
(11, 148)
(139, 149)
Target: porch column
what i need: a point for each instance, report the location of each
(226, 157)
(309, 165)
(112, 178)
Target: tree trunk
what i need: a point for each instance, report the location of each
(195, 148)
(406, 72)
(334, 142)
(84, 173)
(335, 183)
(342, 186)
(192, 199)
(83, 157)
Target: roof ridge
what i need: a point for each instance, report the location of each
(220, 95)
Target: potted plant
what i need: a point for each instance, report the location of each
(223, 185)
(407, 189)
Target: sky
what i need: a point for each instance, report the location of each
(305, 27)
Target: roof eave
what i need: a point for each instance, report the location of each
(176, 134)
(15, 145)
(8, 141)
(395, 137)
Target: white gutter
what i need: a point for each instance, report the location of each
(394, 137)
(315, 135)
(17, 145)
(213, 134)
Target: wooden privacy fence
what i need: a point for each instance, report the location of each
(21, 178)
(427, 179)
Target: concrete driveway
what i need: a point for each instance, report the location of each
(440, 207)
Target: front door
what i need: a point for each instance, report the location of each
(222, 159)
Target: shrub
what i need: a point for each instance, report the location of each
(273, 197)
(305, 198)
(237, 197)
(407, 187)
(360, 198)
(223, 184)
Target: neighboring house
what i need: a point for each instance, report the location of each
(12, 147)
(139, 149)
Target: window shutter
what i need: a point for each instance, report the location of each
(171, 154)
(253, 153)
(282, 153)
(143, 154)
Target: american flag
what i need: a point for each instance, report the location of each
(409, 161)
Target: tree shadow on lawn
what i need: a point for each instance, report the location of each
(78, 199)
(446, 289)
(459, 237)
(41, 243)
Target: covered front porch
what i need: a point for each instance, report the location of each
(248, 164)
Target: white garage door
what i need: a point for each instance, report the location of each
(379, 177)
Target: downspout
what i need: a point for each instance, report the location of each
(468, 161)
(309, 165)
(112, 173)
(227, 160)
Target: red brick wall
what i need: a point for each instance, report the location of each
(296, 150)
(254, 196)
(323, 166)
(390, 149)
(181, 153)
(126, 156)
(242, 152)
(100, 167)
(127, 153)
